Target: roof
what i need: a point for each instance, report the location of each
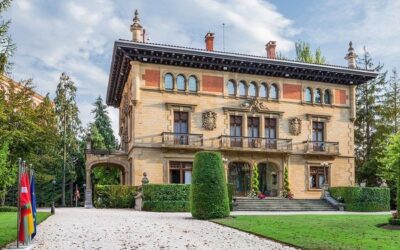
(7, 82)
(126, 51)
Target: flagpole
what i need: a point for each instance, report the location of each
(18, 202)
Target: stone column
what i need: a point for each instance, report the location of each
(88, 191)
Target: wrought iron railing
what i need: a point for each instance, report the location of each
(227, 141)
(174, 139)
(323, 147)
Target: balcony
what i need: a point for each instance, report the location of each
(180, 140)
(321, 148)
(255, 144)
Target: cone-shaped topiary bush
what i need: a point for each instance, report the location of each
(208, 192)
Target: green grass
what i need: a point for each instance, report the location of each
(321, 231)
(8, 226)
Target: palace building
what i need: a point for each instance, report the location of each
(279, 115)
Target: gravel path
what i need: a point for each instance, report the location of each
(79, 228)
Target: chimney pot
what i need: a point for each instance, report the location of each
(209, 39)
(270, 47)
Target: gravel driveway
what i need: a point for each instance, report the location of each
(79, 228)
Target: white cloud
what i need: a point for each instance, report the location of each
(77, 36)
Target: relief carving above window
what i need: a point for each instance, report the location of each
(295, 126)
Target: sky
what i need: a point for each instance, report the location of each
(77, 37)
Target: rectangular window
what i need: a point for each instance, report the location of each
(180, 172)
(270, 133)
(318, 176)
(181, 127)
(236, 131)
(318, 136)
(253, 130)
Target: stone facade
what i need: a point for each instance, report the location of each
(151, 113)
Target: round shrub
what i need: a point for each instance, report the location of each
(208, 192)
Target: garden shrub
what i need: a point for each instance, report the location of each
(166, 197)
(8, 209)
(209, 192)
(362, 199)
(114, 196)
(231, 189)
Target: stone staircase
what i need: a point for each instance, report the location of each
(281, 204)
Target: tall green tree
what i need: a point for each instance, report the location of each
(7, 46)
(69, 125)
(390, 108)
(367, 140)
(304, 53)
(102, 122)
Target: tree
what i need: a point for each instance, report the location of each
(304, 54)
(208, 191)
(390, 108)
(255, 185)
(102, 122)
(367, 140)
(68, 124)
(7, 46)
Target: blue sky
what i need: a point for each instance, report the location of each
(77, 36)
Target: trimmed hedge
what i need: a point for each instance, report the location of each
(114, 196)
(209, 192)
(166, 197)
(362, 199)
(231, 189)
(8, 209)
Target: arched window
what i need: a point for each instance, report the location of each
(317, 96)
(192, 84)
(169, 81)
(253, 89)
(308, 95)
(263, 90)
(180, 83)
(242, 88)
(327, 96)
(231, 88)
(273, 92)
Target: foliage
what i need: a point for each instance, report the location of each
(304, 54)
(254, 182)
(231, 189)
(368, 134)
(5, 178)
(367, 199)
(320, 231)
(208, 193)
(286, 187)
(8, 209)
(114, 196)
(166, 197)
(102, 122)
(390, 108)
(69, 127)
(6, 44)
(8, 225)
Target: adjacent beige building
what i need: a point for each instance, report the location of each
(257, 111)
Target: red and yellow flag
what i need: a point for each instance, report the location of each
(26, 227)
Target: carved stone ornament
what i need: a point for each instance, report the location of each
(295, 126)
(209, 120)
(254, 105)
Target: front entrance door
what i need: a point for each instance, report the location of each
(239, 176)
(268, 179)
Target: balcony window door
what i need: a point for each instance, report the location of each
(236, 131)
(318, 136)
(270, 133)
(253, 130)
(181, 127)
(180, 172)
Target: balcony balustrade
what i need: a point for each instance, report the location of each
(256, 143)
(321, 147)
(170, 139)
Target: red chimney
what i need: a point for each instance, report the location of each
(209, 39)
(270, 47)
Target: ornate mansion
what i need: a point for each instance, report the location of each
(277, 114)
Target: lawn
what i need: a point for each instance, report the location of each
(8, 226)
(321, 231)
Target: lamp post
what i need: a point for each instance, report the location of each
(52, 203)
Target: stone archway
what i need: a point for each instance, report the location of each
(117, 159)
